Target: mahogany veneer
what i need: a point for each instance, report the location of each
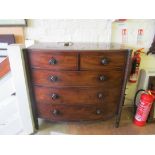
(78, 82)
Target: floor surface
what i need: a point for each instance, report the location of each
(96, 128)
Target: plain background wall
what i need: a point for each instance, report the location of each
(97, 30)
(132, 27)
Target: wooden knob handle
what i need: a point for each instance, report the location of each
(98, 111)
(100, 95)
(53, 61)
(104, 61)
(55, 112)
(102, 78)
(53, 78)
(55, 96)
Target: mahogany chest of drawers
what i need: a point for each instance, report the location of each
(77, 82)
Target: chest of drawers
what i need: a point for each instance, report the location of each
(81, 82)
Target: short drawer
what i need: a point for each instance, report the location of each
(76, 96)
(53, 60)
(106, 79)
(102, 60)
(73, 113)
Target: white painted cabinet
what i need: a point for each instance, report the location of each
(10, 122)
(15, 111)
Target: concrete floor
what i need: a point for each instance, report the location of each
(96, 128)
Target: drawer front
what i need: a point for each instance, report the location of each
(100, 61)
(106, 79)
(73, 113)
(76, 96)
(54, 61)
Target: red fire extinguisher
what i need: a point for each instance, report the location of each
(144, 106)
(136, 59)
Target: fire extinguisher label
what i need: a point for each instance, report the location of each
(142, 111)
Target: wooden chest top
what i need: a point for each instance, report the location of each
(69, 46)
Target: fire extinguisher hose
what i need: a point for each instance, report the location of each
(134, 106)
(133, 68)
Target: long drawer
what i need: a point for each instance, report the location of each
(73, 113)
(106, 79)
(76, 96)
(53, 60)
(102, 60)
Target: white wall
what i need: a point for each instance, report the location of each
(148, 26)
(97, 30)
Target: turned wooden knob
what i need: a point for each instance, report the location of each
(55, 96)
(102, 78)
(100, 95)
(55, 112)
(52, 61)
(53, 78)
(98, 111)
(104, 61)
